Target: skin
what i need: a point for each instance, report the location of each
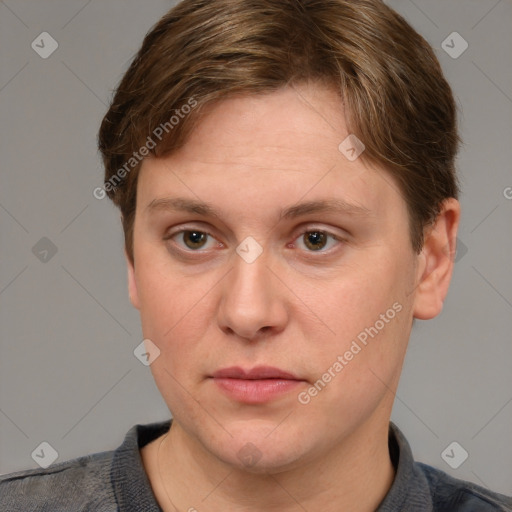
(294, 307)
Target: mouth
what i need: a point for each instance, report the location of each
(256, 385)
(256, 373)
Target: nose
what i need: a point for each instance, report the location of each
(253, 302)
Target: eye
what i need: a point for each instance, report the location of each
(195, 240)
(192, 239)
(316, 240)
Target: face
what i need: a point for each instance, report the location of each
(260, 244)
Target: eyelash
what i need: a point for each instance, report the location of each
(187, 251)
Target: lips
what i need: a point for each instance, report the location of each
(256, 373)
(257, 385)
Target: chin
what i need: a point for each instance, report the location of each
(253, 452)
(250, 459)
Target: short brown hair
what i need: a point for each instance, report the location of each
(396, 98)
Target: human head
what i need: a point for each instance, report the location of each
(395, 96)
(262, 96)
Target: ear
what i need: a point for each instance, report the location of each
(132, 282)
(436, 262)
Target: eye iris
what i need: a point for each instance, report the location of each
(315, 237)
(196, 239)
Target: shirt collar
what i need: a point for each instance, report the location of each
(410, 489)
(131, 484)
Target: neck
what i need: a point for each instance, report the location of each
(355, 476)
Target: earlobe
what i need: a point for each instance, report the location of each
(132, 283)
(437, 260)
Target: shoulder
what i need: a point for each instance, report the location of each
(419, 487)
(78, 484)
(451, 494)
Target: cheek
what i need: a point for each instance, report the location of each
(158, 305)
(355, 372)
(175, 313)
(169, 317)
(355, 298)
(368, 315)
(161, 292)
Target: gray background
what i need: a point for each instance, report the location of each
(68, 375)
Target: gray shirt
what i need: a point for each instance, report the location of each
(115, 481)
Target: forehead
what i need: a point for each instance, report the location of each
(277, 148)
(286, 126)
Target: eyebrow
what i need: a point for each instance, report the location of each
(338, 206)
